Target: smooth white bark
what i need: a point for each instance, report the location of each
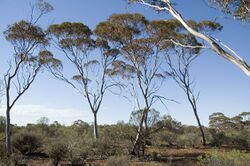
(215, 45)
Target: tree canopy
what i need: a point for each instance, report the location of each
(239, 9)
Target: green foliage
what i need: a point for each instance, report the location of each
(189, 140)
(56, 130)
(27, 142)
(239, 9)
(219, 137)
(79, 145)
(166, 137)
(231, 158)
(170, 131)
(205, 25)
(121, 27)
(24, 31)
(77, 151)
(58, 151)
(81, 128)
(153, 116)
(43, 7)
(70, 35)
(46, 58)
(171, 124)
(103, 147)
(231, 131)
(75, 144)
(218, 120)
(26, 38)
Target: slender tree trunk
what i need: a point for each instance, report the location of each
(7, 133)
(139, 134)
(146, 120)
(95, 125)
(200, 126)
(192, 101)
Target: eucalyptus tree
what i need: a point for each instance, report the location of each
(214, 44)
(139, 65)
(239, 9)
(152, 119)
(180, 55)
(179, 66)
(245, 119)
(26, 63)
(29, 58)
(90, 68)
(219, 121)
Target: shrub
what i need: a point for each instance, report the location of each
(240, 138)
(188, 140)
(231, 158)
(58, 151)
(167, 137)
(2, 150)
(218, 137)
(118, 161)
(13, 160)
(77, 151)
(102, 147)
(27, 142)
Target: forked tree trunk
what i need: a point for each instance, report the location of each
(95, 125)
(7, 133)
(139, 135)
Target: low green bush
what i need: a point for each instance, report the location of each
(218, 137)
(58, 151)
(222, 158)
(189, 140)
(27, 142)
(78, 151)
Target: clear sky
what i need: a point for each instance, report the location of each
(224, 88)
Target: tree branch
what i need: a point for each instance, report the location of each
(239, 62)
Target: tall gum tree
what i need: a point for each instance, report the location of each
(90, 76)
(214, 44)
(143, 45)
(140, 64)
(27, 61)
(181, 50)
(29, 58)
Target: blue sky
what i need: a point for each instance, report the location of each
(224, 88)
